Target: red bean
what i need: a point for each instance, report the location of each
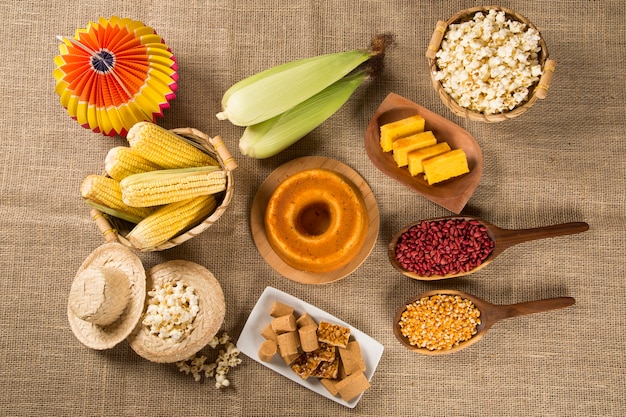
(443, 247)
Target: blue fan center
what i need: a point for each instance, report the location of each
(102, 61)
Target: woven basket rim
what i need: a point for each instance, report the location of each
(465, 15)
(202, 141)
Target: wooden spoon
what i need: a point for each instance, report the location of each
(503, 239)
(489, 315)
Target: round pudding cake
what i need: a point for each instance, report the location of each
(316, 221)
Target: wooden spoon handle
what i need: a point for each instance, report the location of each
(509, 237)
(530, 307)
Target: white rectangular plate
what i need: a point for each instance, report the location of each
(250, 340)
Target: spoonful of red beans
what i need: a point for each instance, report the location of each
(454, 246)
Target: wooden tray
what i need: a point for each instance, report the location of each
(263, 195)
(452, 194)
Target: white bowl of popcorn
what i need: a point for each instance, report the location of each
(489, 63)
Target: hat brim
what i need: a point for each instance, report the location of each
(206, 324)
(113, 255)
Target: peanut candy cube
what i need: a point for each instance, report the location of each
(308, 338)
(267, 350)
(351, 358)
(284, 324)
(330, 385)
(288, 343)
(268, 333)
(279, 309)
(352, 386)
(305, 320)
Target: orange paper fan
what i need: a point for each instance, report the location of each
(115, 73)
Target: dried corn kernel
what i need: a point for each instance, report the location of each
(439, 322)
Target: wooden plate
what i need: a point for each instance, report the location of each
(263, 195)
(452, 194)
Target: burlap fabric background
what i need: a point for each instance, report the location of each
(564, 160)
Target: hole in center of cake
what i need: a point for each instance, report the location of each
(314, 219)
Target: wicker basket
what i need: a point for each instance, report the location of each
(538, 91)
(114, 229)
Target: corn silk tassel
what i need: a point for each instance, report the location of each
(266, 139)
(271, 92)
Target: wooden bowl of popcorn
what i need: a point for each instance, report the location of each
(505, 71)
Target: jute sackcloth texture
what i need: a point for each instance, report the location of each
(563, 160)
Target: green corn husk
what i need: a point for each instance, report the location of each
(278, 89)
(112, 212)
(276, 134)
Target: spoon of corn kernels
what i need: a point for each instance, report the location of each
(439, 322)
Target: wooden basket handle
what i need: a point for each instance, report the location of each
(221, 149)
(435, 40)
(546, 78)
(108, 231)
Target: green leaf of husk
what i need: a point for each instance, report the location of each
(276, 134)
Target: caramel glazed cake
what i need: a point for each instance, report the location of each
(316, 221)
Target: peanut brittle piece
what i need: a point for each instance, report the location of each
(326, 352)
(333, 334)
(327, 370)
(305, 365)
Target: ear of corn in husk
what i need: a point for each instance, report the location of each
(170, 220)
(296, 115)
(165, 148)
(161, 187)
(105, 191)
(278, 89)
(274, 135)
(122, 161)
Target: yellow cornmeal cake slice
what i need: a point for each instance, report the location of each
(389, 132)
(403, 146)
(445, 166)
(417, 157)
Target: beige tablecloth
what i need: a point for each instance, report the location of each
(562, 161)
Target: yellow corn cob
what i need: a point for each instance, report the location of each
(123, 161)
(107, 192)
(162, 187)
(170, 220)
(165, 148)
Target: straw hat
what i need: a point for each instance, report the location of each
(107, 296)
(206, 324)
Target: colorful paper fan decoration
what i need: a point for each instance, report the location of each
(115, 73)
